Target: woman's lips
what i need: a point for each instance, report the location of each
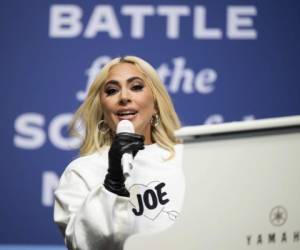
(127, 117)
(126, 114)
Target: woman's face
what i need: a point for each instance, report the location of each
(125, 96)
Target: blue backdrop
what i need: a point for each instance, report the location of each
(221, 61)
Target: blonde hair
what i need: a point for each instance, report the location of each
(90, 112)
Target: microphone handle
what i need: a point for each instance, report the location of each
(126, 161)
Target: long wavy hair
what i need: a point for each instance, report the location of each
(90, 112)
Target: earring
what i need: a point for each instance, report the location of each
(102, 127)
(155, 120)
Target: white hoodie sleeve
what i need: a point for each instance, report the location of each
(90, 217)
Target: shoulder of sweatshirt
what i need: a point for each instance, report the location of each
(155, 149)
(94, 164)
(154, 157)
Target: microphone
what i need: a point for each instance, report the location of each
(126, 126)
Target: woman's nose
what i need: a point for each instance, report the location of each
(124, 97)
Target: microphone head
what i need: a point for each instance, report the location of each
(125, 126)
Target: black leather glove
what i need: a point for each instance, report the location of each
(122, 143)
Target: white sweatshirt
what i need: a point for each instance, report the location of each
(91, 217)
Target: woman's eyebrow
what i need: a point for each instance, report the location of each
(114, 82)
(131, 79)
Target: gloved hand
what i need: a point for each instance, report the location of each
(122, 143)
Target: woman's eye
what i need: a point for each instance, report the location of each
(137, 87)
(111, 91)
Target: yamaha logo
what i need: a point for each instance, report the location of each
(278, 217)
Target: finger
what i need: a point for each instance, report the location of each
(131, 147)
(130, 137)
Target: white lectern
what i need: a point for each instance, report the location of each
(242, 189)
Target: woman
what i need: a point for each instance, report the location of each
(96, 207)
